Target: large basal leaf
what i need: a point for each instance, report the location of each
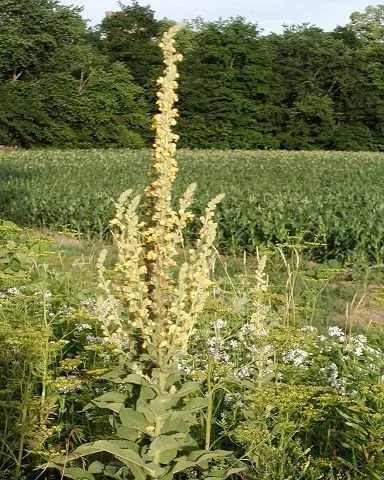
(127, 433)
(182, 465)
(96, 467)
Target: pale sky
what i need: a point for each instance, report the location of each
(269, 14)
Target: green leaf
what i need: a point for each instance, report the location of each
(4, 252)
(137, 379)
(114, 375)
(133, 419)
(163, 449)
(202, 456)
(187, 388)
(10, 225)
(127, 433)
(196, 404)
(182, 465)
(178, 422)
(15, 264)
(77, 473)
(126, 456)
(112, 401)
(138, 472)
(96, 467)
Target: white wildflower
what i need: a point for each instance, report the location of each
(308, 328)
(65, 310)
(92, 339)
(88, 303)
(83, 326)
(244, 372)
(296, 357)
(13, 291)
(336, 332)
(220, 323)
(248, 328)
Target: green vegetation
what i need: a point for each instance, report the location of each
(156, 361)
(303, 396)
(319, 197)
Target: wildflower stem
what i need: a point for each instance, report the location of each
(209, 414)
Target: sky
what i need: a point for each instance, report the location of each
(270, 15)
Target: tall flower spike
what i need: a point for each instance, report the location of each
(161, 235)
(159, 302)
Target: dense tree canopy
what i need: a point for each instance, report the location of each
(57, 88)
(65, 85)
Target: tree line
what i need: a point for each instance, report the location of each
(63, 84)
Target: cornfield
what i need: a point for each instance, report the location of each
(334, 199)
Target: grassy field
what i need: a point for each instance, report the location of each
(332, 198)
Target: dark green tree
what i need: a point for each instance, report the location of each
(32, 32)
(130, 36)
(369, 25)
(313, 65)
(57, 88)
(228, 88)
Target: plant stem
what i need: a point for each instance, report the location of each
(25, 404)
(208, 423)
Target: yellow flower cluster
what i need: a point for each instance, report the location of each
(259, 294)
(161, 300)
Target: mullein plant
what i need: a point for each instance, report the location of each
(148, 313)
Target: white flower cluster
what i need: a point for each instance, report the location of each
(217, 349)
(83, 326)
(90, 339)
(88, 303)
(357, 345)
(220, 323)
(245, 372)
(334, 379)
(44, 293)
(65, 310)
(296, 357)
(308, 328)
(107, 306)
(337, 332)
(251, 328)
(13, 291)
